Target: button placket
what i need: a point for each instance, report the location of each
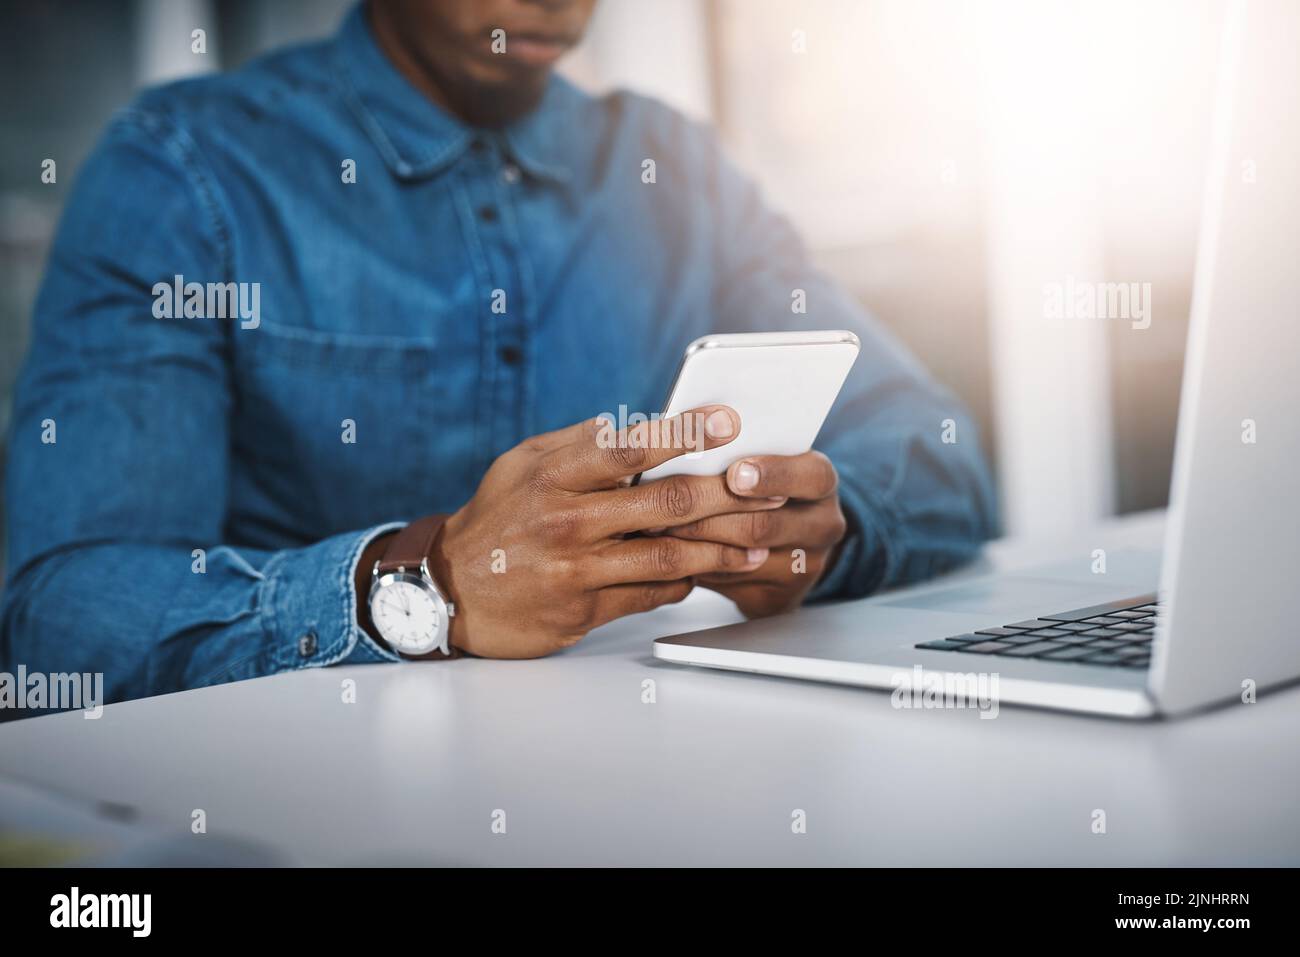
(491, 177)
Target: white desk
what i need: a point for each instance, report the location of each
(588, 774)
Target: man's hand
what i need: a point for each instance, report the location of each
(808, 519)
(541, 554)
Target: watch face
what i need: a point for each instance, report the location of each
(407, 616)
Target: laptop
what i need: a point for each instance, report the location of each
(1211, 617)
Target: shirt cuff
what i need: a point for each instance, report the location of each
(366, 648)
(861, 563)
(312, 602)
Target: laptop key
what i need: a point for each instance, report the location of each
(1049, 633)
(987, 647)
(967, 637)
(1029, 651)
(1105, 620)
(998, 632)
(1102, 633)
(1108, 644)
(1131, 626)
(944, 644)
(1071, 625)
(1079, 614)
(1071, 639)
(1068, 653)
(1130, 615)
(1033, 623)
(1021, 638)
(1103, 658)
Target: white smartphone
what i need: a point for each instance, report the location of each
(782, 384)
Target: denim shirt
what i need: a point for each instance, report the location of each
(188, 496)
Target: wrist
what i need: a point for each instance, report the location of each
(362, 577)
(408, 611)
(441, 570)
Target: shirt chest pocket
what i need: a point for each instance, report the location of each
(334, 432)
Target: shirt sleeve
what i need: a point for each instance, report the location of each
(916, 504)
(119, 456)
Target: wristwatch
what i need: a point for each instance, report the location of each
(408, 609)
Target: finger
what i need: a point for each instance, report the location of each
(758, 599)
(633, 598)
(600, 460)
(809, 476)
(811, 525)
(784, 566)
(669, 559)
(570, 434)
(676, 500)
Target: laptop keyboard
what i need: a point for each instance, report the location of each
(1117, 633)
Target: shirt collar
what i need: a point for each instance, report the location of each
(541, 141)
(417, 138)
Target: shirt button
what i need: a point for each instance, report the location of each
(478, 146)
(511, 356)
(510, 173)
(488, 214)
(307, 644)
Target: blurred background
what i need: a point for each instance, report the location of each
(944, 159)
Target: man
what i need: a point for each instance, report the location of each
(433, 263)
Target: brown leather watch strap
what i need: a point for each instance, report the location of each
(407, 551)
(412, 545)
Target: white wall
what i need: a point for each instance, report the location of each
(656, 47)
(164, 43)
